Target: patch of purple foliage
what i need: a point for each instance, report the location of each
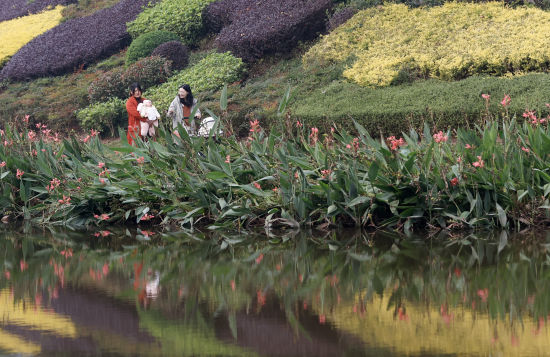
(10, 9)
(253, 28)
(340, 17)
(75, 43)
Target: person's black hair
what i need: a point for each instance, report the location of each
(188, 100)
(135, 86)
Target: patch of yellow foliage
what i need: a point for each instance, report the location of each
(452, 41)
(15, 33)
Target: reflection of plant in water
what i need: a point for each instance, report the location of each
(322, 277)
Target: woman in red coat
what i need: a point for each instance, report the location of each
(134, 118)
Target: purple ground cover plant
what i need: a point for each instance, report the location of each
(10, 9)
(253, 28)
(75, 43)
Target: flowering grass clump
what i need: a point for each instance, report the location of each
(75, 43)
(250, 29)
(449, 42)
(17, 32)
(12, 9)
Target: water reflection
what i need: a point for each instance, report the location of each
(284, 295)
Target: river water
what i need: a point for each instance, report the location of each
(290, 294)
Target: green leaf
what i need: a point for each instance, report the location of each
(216, 175)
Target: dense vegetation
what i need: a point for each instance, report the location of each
(319, 97)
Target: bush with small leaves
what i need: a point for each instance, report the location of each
(174, 51)
(11, 9)
(145, 44)
(340, 17)
(254, 28)
(108, 85)
(105, 116)
(148, 71)
(183, 17)
(210, 73)
(75, 43)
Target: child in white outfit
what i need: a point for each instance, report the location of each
(147, 110)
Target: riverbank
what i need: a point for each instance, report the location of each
(492, 176)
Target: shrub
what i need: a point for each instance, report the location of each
(394, 109)
(257, 28)
(108, 85)
(104, 116)
(340, 17)
(12, 9)
(15, 33)
(210, 73)
(148, 72)
(183, 17)
(471, 39)
(145, 44)
(174, 51)
(74, 43)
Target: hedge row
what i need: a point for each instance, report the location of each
(251, 29)
(392, 110)
(182, 17)
(74, 43)
(148, 72)
(11, 9)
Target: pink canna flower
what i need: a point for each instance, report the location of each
(506, 100)
(479, 163)
(2, 164)
(101, 165)
(440, 137)
(298, 124)
(65, 201)
(227, 159)
(314, 136)
(147, 217)
(468, 146)
(140, 160)
(454, 181)
(486, 96)
(394, 143)
(259, 258)
(257, 185)
(255, 126)
(103, 216)
(525, 149)
(19, 173)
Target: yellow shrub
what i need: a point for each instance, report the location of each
(15, 33)
(452, 41)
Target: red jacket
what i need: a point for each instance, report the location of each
(134, 119)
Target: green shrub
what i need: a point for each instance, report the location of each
(108, 85)
(145, 44)
(392, 110)
(210, 73)
(183, 17)
(148, 71)
(104, 116)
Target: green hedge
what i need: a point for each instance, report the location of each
(210, 73)
(392, 110)
(106, 116)
(183, 17)
(145, 44)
